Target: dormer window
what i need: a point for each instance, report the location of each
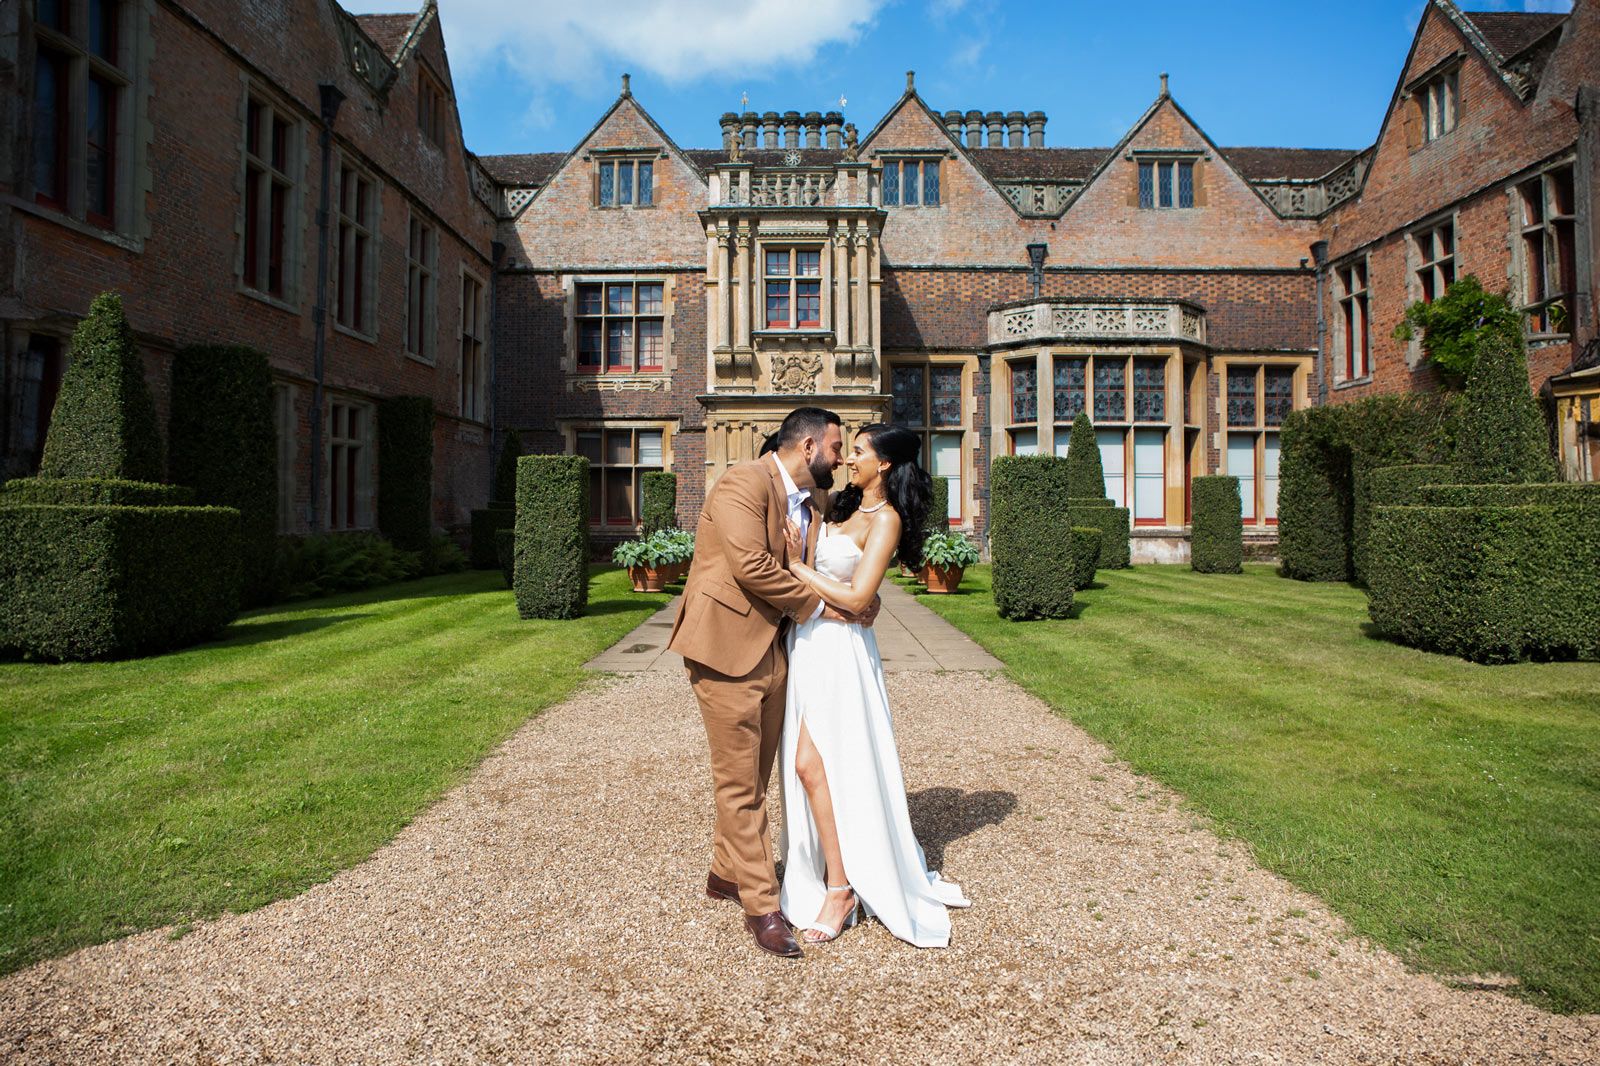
(911, 183)
(1440, 99)
(625, 183)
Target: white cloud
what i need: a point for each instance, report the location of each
(573, 42)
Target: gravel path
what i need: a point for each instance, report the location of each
(549, 911)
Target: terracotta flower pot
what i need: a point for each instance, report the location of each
(655, 579)
(941, 580)
(922, 577)
(636, 574)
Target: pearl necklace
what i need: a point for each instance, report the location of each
(869, 510)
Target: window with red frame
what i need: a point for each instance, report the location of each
(618, 460)
(620, 327)
(358, 204)
(77, 66)
(794, 288)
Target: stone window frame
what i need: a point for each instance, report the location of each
(473, 345)
(1258, 428)
(965, 428)
(793, 279)
(372, 230)
(618, 378)
(896, 162)
(1551, 225)
(431, 110)
(1431, 103)
(1341, 279)
(1432, 272)
(295, 176)
(336, 447)
(620, 159)
(421, 339)
(570, 428)
(1177, 159)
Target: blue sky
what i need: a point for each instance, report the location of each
(535, 75)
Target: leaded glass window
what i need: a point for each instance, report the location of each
(930, 183)
(621, 327)
(908, 187)
(646, 183)
(1070, 379)
(1185, 184)
(891, 185)
(1149, 390)
(1164, 183)
(625, 184)
(1242, 396)
(1024, 392)
(906, 386)
(1110, 391)
(945, 392)
(608, 182)
(1277, 395)
(1147, 185)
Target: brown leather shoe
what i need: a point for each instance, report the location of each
(772, 935)
(721, 888)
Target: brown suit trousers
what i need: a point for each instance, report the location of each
(729, 629)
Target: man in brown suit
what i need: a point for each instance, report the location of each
(738, 601)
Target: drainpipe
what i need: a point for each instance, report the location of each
(331, 99)
(1319, 252)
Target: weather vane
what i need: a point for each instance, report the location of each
(744, 100)
(841, 101)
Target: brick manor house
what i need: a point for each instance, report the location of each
(656, 307)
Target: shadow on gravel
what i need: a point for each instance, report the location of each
(942, 815)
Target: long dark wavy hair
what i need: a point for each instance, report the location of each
(906, 485)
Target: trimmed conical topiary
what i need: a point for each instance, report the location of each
(1086, 478)
(104, 424)
(1504, 438)
(505, 472)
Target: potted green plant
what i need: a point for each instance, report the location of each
(673, 549)
(633, 555)
(945, 556)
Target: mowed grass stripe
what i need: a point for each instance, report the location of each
(155, 791)
(1450, 811)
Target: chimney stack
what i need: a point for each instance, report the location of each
(1036, 129)
(996, 121)
(974, 129)
(791, 129)
(747, 124)
(769, 130)
(813, 121)
(1014, 123)
(730, 129)
(831, 123)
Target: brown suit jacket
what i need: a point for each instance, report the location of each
(740, 589)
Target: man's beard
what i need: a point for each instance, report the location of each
(822, 472)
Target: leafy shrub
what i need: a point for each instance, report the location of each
(631, 553)
(1494, 580)
(1086, 477)
(1386, 486)
(659, 509)
(223, 443)
(108, 582)
(101, 492)
(939, 506)
(104, 424)
(326, 563)
(1504, 437)
(1457, 323)
(947, 551)
(1216, 528)
(405, 472)
(1085, 555)
(1028, 537)
(486, 522)
(666, 547)
(504, 493)
(1097, 512)
(552, 541)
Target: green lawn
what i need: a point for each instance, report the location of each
(1449, 810)
(220, 778)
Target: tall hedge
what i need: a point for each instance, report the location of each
(1113, 523)
(405, 472)
(104, 424)
(939, 505)
(1509, 574)
(1386, 486)
(1029, 537)
(1216, 527)
(1086, 476)
(1504, 437)
(552, 536)
(90, 491)
(223, 444)
(504, 492)
(1085, 555)
(111, 581)
(659, 509)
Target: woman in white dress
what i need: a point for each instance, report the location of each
(849, 843)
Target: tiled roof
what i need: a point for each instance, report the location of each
(531, 169)
(1020, 164)
(1303, 164)
(1509, 32)
(388, 32)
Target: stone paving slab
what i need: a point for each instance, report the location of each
(910, 637)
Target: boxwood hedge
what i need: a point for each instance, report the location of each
(1086, 475)
(1097, 512)
(1029, 537)
(1085, 555)
(405, 473)
(102, 492)
(552, 536)
(659, 509)
(504, 492)
(1216, 527)
(486, 522)
(939, 506)
(107, 582)
(1386, 486)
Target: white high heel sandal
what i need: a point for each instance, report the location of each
(829, 933)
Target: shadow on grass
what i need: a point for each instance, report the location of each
(240, 634)
(940, 816)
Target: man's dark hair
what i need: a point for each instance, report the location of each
(805, 422)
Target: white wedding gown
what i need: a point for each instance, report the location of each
(836, 689)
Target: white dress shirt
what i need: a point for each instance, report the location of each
(799, 513)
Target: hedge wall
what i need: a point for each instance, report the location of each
(1539, 494)
(104, 424)
(660, 506)
(405, 473)
(222, 442)
(486, 522)
(939, 506)
(106, 582)
(552, 539)
(1216, 526)
(504, 492)
(1096, 512)
(1085, 555)
(1492, 581)
(1386, 486)
(102, 492)
(1029, 537)
(1504, 436)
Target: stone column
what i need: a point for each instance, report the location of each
(724, 289)
(841, 282)
(742, 304)
(1035, 129)
(859, 325)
